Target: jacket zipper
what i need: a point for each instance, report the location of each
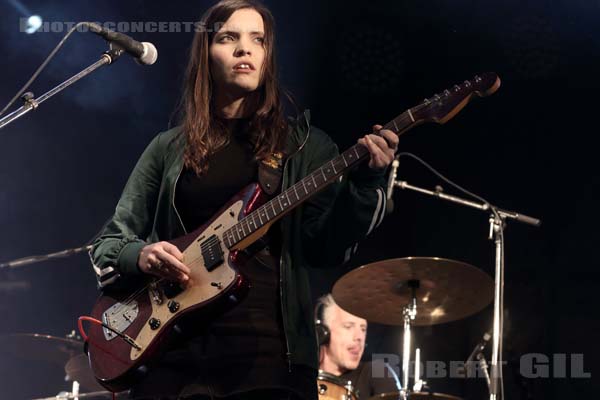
(288, 355)
(173, 200)
(281, 266)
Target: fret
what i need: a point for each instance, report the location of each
(324, 177)
(295, 191)
(287, 197)
(264, 214)
(226, 239)
(313, 179)
(256, 225)
(234, 232)
(344, 158)
(241, 228)
(356, 152)
(304, 186)
(259, 218)
(280, 205)
(273, 207)
(333, 166)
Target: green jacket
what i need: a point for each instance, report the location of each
(320, 233)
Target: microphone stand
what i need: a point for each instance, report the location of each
(31, 103)
(21, 262)
(497, 225)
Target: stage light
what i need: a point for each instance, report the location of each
(34, 23)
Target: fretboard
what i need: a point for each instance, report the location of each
(302, 190)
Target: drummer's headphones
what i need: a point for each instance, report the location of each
(323, 333)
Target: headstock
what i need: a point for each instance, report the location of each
(443, 106)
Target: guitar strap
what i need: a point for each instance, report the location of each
(270, 173)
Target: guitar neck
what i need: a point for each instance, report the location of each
(302, 190)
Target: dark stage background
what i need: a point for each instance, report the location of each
(530, 147)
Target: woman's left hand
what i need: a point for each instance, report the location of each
(382, 149)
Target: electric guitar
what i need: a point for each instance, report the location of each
(136, 325)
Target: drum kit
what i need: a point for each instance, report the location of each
(407, 292)
(64, 351)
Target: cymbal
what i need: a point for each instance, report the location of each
(447, 290)
(37, 347)
(415, 396)
(78, 369)
(93, 395)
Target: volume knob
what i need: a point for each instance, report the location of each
(154, 323)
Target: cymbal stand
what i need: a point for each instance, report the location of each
(73, 396)
(497, 225)
(497, 234)
(484, 368)
(410, 313)
(419, 383)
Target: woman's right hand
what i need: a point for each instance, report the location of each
(164, 259)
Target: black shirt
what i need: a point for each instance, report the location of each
(371, 378)
(244, 349)
(231, 168)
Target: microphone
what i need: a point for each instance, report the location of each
(479, 347)
(144, 52)
(390, 186)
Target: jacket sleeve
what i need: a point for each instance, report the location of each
(117, 247)
(342, 214)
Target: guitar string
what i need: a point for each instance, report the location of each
(298, 185)
(401, 118)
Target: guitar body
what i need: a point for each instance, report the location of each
(152, 313)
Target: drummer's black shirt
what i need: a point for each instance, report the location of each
(371, 378)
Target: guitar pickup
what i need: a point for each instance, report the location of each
(212, 253)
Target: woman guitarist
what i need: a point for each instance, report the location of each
(232, 125)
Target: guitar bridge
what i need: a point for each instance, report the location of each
(119, 317)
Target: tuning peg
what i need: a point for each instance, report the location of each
(446, 93)
(477, 79)
(456, 88)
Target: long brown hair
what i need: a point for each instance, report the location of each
(204, 132)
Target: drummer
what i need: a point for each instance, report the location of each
(342, 338)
